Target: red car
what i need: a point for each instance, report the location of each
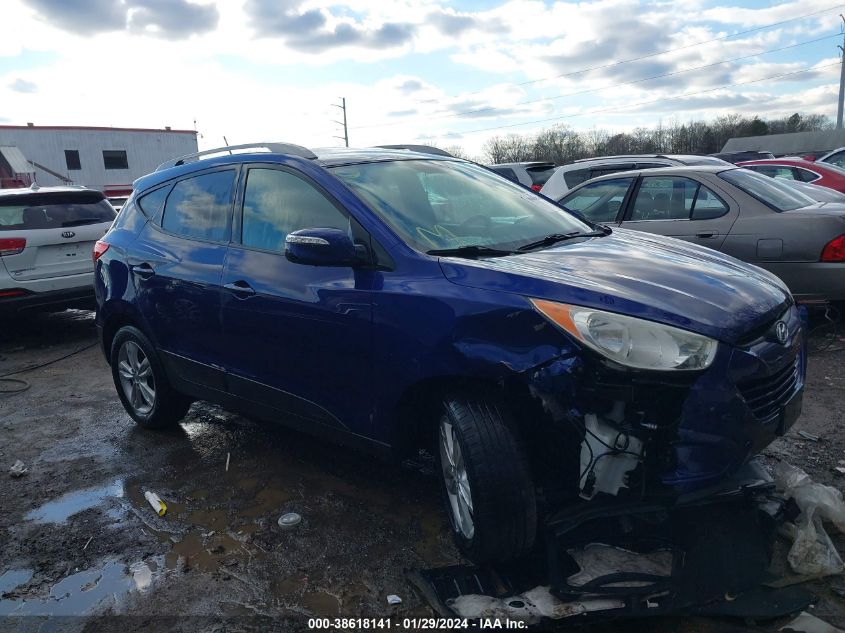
(799, 169)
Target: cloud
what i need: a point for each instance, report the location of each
(169, 19)
(312, 30)
(82, 16)
(410, 86)
(24, 86)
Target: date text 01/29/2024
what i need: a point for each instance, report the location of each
(413, 624)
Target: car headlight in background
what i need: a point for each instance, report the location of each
(631, 342)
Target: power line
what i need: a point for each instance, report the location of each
(650, 55)
(633, 105)
(342, 106)
(446, 115)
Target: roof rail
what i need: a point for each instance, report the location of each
(278, 148)
(422, 149)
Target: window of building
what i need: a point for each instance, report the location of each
(115, 159)
(72, 159)
(199, 206)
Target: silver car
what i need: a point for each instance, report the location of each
(739, 212)
(46, 238)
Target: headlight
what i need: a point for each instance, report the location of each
(631, 342)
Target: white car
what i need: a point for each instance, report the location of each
(46, 238)
(531, 174)
(568, 176)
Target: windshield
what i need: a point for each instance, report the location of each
(53, 211)
(769, 191)
(438, 204)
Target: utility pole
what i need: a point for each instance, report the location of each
(342, 106)
(841, 79)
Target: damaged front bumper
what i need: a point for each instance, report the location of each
(706, 552)
(675, 432)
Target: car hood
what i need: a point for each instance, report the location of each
(657, 278)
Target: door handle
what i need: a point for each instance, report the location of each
(707, 234)
(143, 270)
(240, 288)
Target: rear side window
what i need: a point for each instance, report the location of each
(540, 174)
(277, 203)
(576, 177)
(805, 175)
(507, 172)
(53, 211)
(676, 198)
(153, 202)
(199, 207)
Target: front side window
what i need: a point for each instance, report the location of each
(115, 159)
(277, 203)
(53, 211)
(599, 201)
(507, 172)
(440, 204)
(199, 206)
(771, 192)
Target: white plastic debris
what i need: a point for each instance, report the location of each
(289, 520)
(394, 599)
(812, 552)
(529, 607)
(598, 559)
(18, 469)
(155, 501)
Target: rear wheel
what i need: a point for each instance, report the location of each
(141, 383)
(487, 484)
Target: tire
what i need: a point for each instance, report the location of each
(141, 383)
(495, 478)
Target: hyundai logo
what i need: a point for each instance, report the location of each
(68, 234)
(781, 332)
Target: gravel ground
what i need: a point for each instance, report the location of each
(78, 538)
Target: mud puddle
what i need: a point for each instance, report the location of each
(83, 592)
(61, 509)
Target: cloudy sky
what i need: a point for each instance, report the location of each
(452, 73)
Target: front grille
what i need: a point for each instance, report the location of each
(766, 396)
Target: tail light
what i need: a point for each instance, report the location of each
(100, 247)
(12, 245)
(536, 187)
(835, 250)
(12, 292)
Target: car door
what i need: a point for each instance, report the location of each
(601, 201)
(176, 265)
(681, 207)
(298, 337)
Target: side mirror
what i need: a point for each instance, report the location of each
(323, 247)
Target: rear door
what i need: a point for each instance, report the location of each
(60, 229)
(681, 207)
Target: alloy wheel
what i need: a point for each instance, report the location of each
(457, 483)
(136, 377)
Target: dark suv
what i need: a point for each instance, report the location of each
(397, 301)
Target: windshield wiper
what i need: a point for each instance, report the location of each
(554, 238)
(471, 250)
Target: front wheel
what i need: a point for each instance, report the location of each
(488, 488)
(141, 383)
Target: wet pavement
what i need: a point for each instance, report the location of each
(78, 538)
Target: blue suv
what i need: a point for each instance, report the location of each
(396, 300)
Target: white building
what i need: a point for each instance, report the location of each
(104, 158)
